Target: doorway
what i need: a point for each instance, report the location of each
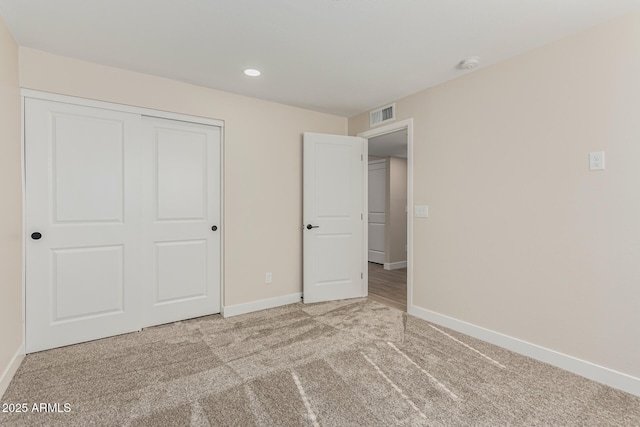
(389, 202)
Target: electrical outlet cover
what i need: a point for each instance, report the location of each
(596, 161)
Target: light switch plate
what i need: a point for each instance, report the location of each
(596, 161)
(422, 211)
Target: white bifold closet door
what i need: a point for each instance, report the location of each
(120, 218)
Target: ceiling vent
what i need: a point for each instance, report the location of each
(382, 115)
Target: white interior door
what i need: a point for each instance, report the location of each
(377, 207)
(333, 241)
(182, 217)
(83, 214)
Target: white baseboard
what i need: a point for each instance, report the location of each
(10, 370)
(263, 304)
(376, 257)
(395, 265)
(581, 367)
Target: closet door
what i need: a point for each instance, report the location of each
(83, 222)
(377, 208)
(182, 243)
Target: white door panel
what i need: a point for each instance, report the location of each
(92, 148)
(82, 275)
(94, 275)
(377, 191)
(183, 262)
(333, 249)
(376, 237)
(377, 217)
(181, 173)
(182, 196)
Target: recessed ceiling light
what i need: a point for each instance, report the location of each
(252, 72)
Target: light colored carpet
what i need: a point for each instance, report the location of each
(344, 363)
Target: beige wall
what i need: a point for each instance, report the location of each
(522, 239)
(11, 205)
(396, 227)
(263, 162)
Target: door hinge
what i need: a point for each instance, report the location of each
(362, 275)
(361, 217)
(362, 157)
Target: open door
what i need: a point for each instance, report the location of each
(333, 214)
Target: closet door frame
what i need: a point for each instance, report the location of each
(146, 112)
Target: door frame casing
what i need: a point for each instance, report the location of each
(383, 130)
(148, 112)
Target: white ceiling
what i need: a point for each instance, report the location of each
(336, 56)
(389, 145)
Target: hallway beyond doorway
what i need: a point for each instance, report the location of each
(388, 287)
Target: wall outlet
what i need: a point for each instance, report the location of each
(596, 161)
(267, 278)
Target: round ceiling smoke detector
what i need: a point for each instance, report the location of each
(469, 63)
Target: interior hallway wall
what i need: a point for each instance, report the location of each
(396, 230)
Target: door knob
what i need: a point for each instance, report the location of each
(36, 236)
(309, 226)
(214, 228)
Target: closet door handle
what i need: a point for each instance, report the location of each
(309, 226)
(36, 236)
(214, 228)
